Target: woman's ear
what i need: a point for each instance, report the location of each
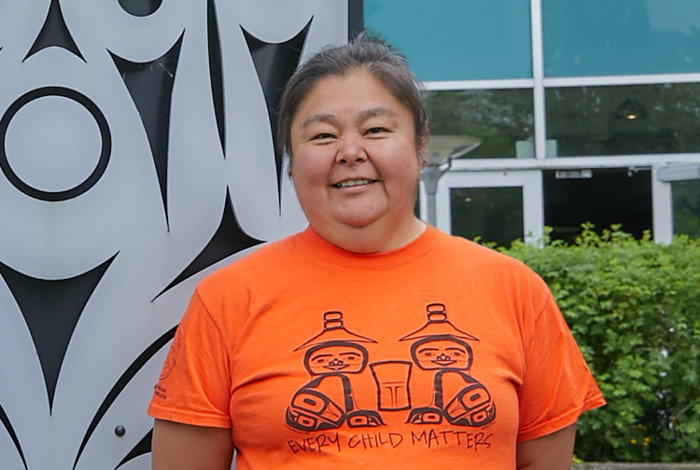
(288, 162)
(423, 145)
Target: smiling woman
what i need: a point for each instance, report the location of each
(421, 333)
(356, 166)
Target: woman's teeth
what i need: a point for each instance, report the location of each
(349, 183)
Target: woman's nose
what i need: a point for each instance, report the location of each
(351, 151)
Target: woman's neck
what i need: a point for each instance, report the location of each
(372, 239)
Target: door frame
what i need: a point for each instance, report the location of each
(529, 180)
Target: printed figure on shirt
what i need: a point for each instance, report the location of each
(327, 401)
(457, 397)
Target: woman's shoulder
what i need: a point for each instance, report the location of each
(480, 260)
(459, 246)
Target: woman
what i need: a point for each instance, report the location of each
(369, 339)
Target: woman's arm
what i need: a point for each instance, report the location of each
(184, 447)
(550, 452)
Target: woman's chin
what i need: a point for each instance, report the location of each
(358, 220)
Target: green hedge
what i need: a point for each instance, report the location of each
(634, 308)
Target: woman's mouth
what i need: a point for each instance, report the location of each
(351, 183)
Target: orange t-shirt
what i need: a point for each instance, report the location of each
(439, 352)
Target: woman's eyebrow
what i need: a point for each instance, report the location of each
(322, 117)
(362, 116)
(374, 112)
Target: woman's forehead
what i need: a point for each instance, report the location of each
(357, 82)
(358, 94)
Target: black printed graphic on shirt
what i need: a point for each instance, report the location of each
(336, 354)
(457, 397)
(327, 401)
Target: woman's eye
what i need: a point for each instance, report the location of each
(375, 130)
(322, 136)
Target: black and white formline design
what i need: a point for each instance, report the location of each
(51, 310)
(54, 33)
(142, 448)
(13, 435)
(53, 303)
(216, 72)
(140, 7)
(150, 85)
(275, 64)
(118, 387)
(228, 240)
(105, 151)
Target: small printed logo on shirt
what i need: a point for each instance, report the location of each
(160, 392)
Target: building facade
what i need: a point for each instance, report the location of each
(575, 111)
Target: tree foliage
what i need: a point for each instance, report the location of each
(634, 308)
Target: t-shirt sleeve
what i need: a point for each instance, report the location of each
(194, 384)
(557, 385)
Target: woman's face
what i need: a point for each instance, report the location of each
(355, 162)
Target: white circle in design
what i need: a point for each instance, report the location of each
(53, 144)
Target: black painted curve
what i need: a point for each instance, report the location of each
(142, 448)
(140, 7)
(121, 384)
(150, 85)
(51, 310)
(54, 33)
(275, 64)
(105, 152)
(216, 72)
(228, 240)
(13, 435)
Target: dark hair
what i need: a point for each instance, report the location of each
(365, 52)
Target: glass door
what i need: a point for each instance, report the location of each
(493, 206)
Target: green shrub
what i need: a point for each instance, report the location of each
(634, 308)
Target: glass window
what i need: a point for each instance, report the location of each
(686, 207)
(457, 39)
(621, 120)
(602, 197)
(499, 121)
(493, 214)
(620, 37)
